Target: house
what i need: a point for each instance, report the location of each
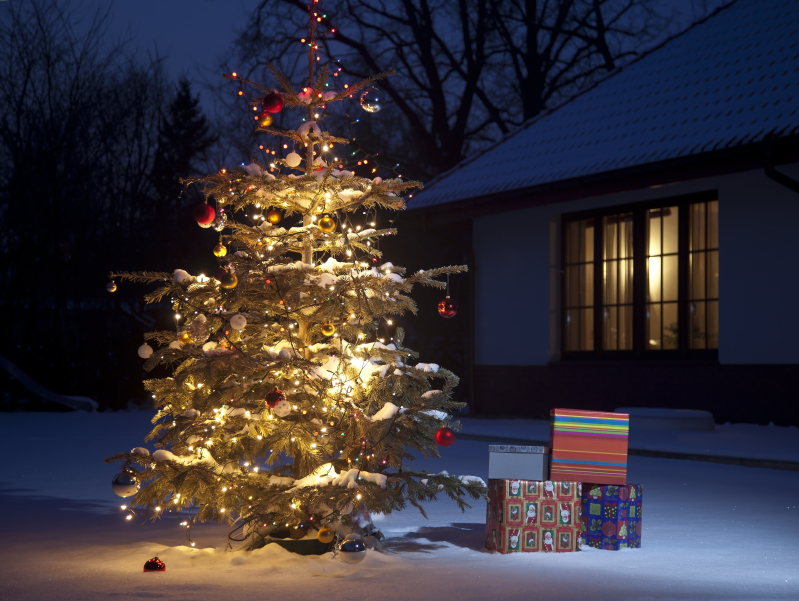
(638, 245)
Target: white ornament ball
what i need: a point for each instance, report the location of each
(145, 351)
(238, 322)
(282, 408)
(293, 159)
(175, 344)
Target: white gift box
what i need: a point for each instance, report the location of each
(517, 462)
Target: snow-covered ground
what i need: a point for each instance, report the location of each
(710, 532)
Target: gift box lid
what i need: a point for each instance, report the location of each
(514, 448)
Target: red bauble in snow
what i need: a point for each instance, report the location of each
(447, 307)
(204, 214)
(445, 437)
(154, 565)
(273, 397)
(273, 103)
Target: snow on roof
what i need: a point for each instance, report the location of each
(730, 80)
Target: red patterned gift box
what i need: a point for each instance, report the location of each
(527, 516)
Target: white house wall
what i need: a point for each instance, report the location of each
(517, 257)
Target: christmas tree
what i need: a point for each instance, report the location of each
(292, 401)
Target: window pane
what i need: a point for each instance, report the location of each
(653, 326)
(670, 235)
(611, 276)
(587, 330)
(713, 274)
(626, 236)
(573, 330)
(573, 286)
(611, 328)
(587, 230)
(698, 333)
(712, 324)
(697, 237)
(587, 297)
(713, 224)
(653, 273)
(653, 232)
(626, 281)
(670, 279)
(698, 275)
(625, 328)
(573, 242)
(611, 240)
(670, 326)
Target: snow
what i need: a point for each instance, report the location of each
(711, 532)
(388, 411)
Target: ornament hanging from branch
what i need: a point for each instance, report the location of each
(371, 101)
(447, 307)
(112, 286)
(204, 214)
(273, 102)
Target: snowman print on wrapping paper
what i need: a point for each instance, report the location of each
(532, 515)
(547, 543)
(565, 515)
(549, 490)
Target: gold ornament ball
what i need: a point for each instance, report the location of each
(220, 250)
(186, 338)
(273, 216)
(265, 120)
(111, 287)
(327, 225)
(326, 535)
(229, 281)
(328, 329)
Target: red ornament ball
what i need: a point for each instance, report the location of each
(447, 308)
(219, 274)
(445, 437)
(154, 565)
(204, 214)
(273, 103)
(273, 397)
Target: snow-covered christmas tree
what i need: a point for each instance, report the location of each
(293, 402)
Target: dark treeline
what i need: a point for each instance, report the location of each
(93, 142)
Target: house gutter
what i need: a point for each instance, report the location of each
(781, 178)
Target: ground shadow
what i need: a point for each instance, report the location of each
(465, 535)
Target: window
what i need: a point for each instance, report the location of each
(642, 282)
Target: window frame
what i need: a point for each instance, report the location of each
(639, 351)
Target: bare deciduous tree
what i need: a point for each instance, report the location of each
(467, 71)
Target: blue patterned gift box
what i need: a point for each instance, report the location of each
(612, 516)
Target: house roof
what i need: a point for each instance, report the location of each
(729, 81)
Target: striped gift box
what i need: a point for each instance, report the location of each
(589, 446)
